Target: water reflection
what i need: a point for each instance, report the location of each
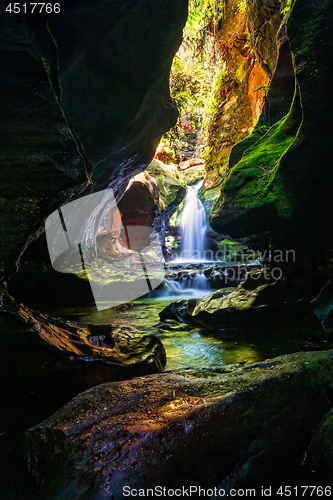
(186, 346)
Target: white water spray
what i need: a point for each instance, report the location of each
(193, 226)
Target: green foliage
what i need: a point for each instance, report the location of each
(201, 14)
(194, 67)
(286, 5)
(261, 88)
(212, 106)
(241, 5)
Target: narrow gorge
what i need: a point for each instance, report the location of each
(166, 251)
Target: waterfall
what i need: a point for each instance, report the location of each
(193, 226)
(194, 285)
(192, 282)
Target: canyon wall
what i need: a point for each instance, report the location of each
(280, 182)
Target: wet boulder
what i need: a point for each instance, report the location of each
(178, 310)
(130, 348)
(181, 428)
(260, 304)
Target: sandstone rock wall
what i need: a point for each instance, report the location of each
(39, 156)
(115, 59)
(282, 184)
(107, 114)
(247, 41)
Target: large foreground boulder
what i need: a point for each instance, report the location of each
(180, 429)
(40, 373)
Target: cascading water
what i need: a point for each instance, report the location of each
(193, 238)
(193, 226)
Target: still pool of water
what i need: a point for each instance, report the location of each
(186, 346)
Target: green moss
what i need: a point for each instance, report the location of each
(168, 182)
(241, 5)
(192, 174)
(224, 242)
(255, 180)
(241, 70)
(232, 249)
(286, 5)
(175, 219)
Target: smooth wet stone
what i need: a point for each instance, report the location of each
(142, 353)
(235, 310)
(178, 310)
(259, 304)
(181, 428)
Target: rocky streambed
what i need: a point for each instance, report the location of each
(240, 426)
(243, 419)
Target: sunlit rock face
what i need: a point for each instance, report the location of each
(181, 428)
(249, 48)
(140, 201)
(152, 197)
(283, 183)
(281, 93)
(115, 59)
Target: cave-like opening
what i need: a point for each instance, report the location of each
(238, 335)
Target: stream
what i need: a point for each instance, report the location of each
(186, 278)
(195, 347)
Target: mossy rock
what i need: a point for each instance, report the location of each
(168, 181)
(260, 304)
(320, 456)
(282, 184)
(193, 174)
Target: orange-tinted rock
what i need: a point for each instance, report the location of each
(192, 162)
(140, 352)
(140, 201)
(165, 154)
(282, 185)
(257, 85)
(244, 84)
